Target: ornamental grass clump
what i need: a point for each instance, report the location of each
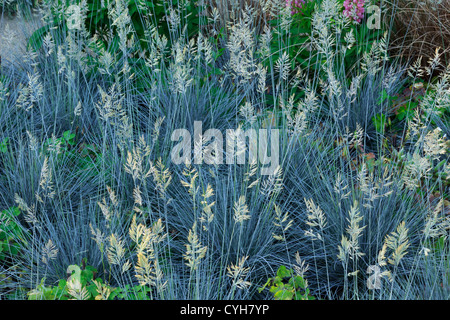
(88, 133)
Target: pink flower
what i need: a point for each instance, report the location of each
(354, 9)
(295, 5)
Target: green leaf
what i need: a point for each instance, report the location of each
(283, 272)
(440, 164)
(15, 211)
(92, 289)
(277, 281)
(68, 137)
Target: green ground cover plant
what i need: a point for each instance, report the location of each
(11, 7)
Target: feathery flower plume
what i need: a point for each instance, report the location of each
(436, 225)
(116, 250)
(295, 5)
(434, 144)
(354, 230)
(3, 91)
(349, 247)
(316, 217)
(340, 187)
(162, 177)
(273, 184)
(192, 174)
(77, 110)
(416, 168)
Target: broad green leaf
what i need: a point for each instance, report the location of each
(283, 272)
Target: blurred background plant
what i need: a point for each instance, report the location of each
(12, 7)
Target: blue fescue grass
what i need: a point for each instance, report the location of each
(100, 181)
